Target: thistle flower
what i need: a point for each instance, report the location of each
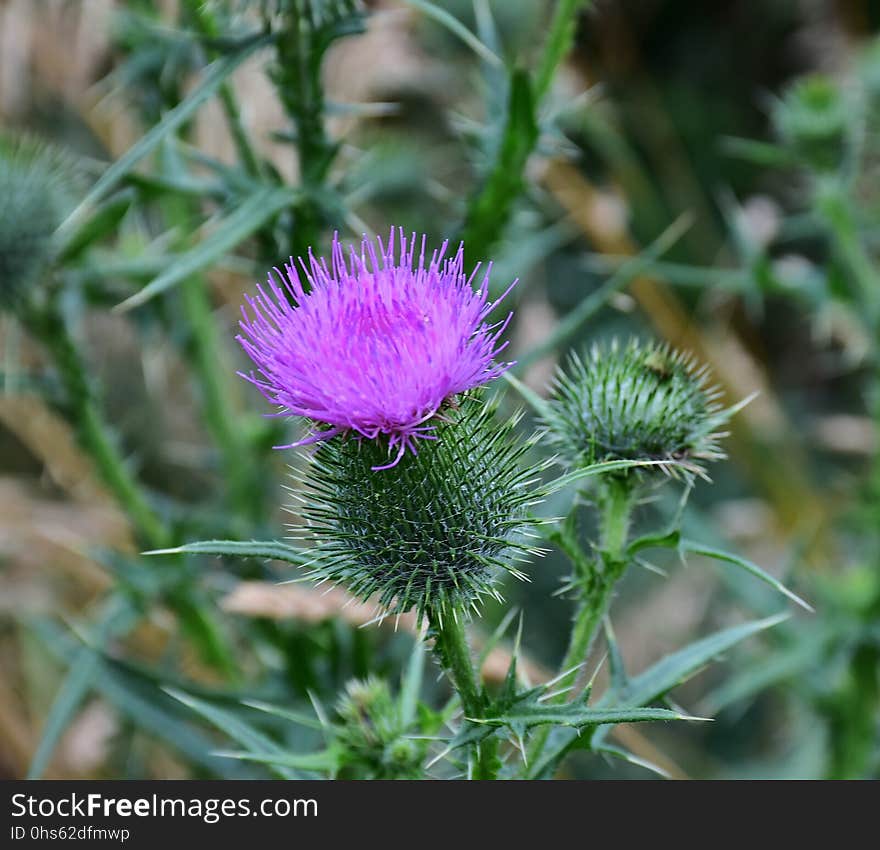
(433, 536)
(641, 402)
(36, 190)
(377, 346)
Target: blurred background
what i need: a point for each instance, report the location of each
(702, 173)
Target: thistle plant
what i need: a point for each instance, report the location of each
(417, 498)
(375, 738)
(380, 352)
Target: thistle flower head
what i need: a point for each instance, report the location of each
(376, 344)
(433, 536)
(638, 402)
(36, 190)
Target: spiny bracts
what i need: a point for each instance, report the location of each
(434, 535)
(635, 402)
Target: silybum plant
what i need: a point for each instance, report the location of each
(415, 495)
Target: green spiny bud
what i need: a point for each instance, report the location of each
(373, 736)
(36, 193)
(432, 533)
(812, 118)
(639, 402)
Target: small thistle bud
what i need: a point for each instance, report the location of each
(641, 402)
(35, 188)
(812, 118)
(373, 737)
(434, 535)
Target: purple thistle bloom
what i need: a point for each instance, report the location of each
(377, 345)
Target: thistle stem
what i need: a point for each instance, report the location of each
(241, 472)
(453, 652)
(596, 589)
(237, 455)
(49, 326)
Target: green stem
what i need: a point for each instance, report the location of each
(836, 209)
(240, 472)
(596, 588)
(453, 652)
(49, 327)
(300, 51)
(206, 24)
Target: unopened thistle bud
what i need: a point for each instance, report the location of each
(373, 737)
(638, 402)
(812, 118)
(435, 533)
(35, 196)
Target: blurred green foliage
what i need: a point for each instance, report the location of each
(757, 120)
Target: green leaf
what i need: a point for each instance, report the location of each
(631, 758)
(412, 684)
(758, 153)
(783, 664)
(104, 221)
(180, 184)
(457, 28)
(285, 713)
(598, 469)
(495, 638)
(579, 716)
(694, 548)
(240, 732)
(247, 218)
(660, 540)
(679, 666)
(649, 686)
(616, 667)
(138, 698)
(262, 549)
(212, 79)
(529, 396)
(80, 679)
(559, 41)
(325, 760)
